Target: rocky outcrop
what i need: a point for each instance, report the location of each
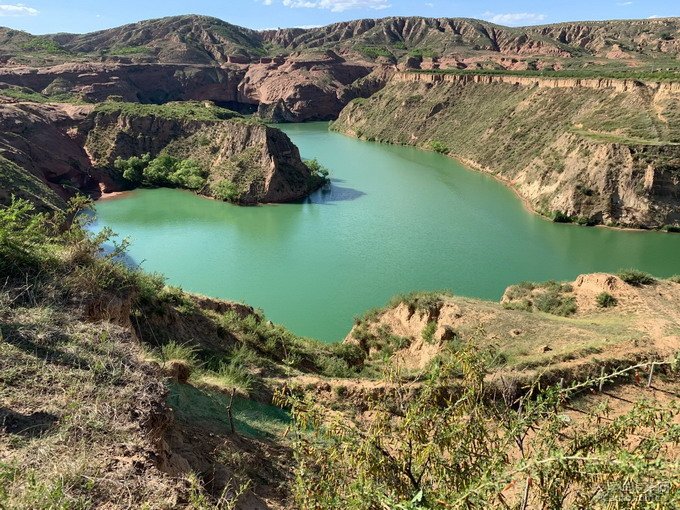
(146, 83)
(42, 147)
(50, 152)
(298, 88)
(596, 151)
(262, 162)
(302, 86)
(618, 85)
(416, 329)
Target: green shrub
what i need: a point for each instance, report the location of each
(554, 303)
(520, 290)
(523, 305)
(317, 169)
(439, 147)
(188, 174)
(236, 371)
(23, 237)
(674, 278)
(132, 169)
(606, 300)
(159, 171)
(235, 376)
(635, 277)
(335, 367)
(179, 352)
(42, 44)
(225, 190)
(374, 51)
(164, 170)
(424, 53)
(128, 50)
(427, 302)
(560, 217)
(352, 354)
(428, 332)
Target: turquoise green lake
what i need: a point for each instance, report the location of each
(396, 219)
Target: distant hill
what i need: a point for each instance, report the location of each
(205, 40)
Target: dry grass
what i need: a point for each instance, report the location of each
(77, 408)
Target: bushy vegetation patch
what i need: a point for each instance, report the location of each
(450, 446)
(635, 277)
(162, 171)
(439, 147)
(426, 302)
(555, 303)
(606, 300)
(225, 190)
(373, 52)
(548, 297)
(317, 170)
(428, 332)
(180, 110)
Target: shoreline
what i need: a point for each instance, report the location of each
(475, 167)
(113, 195)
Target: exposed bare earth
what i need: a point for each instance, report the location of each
(597, 151)
(73, 148)
(306, 74)
(645, 322)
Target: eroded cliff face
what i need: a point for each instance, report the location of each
(262, 162)
(43, 154)
(596, 151)
(297, 88)
(302, 86)
(310, 74)
(147, 83)
(50, 152)
(569, 327)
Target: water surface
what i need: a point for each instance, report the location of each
(396, 219)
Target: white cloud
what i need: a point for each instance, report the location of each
(429, 4)
(514, 18)
(17, 10)
(624, 4)
(339, 5)
(267, 2)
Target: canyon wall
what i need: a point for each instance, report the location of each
(595, 151)
(50, 152)
(261, 162)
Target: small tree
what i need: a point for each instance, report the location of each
(132, 169)
(188, 174)
(159, 171)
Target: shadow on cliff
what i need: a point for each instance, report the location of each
(335, 194)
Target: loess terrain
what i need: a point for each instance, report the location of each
(596, 151)
(118, 391)
(51, 151)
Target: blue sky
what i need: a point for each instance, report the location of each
(47, 16)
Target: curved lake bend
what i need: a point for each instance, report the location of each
(396, 219)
